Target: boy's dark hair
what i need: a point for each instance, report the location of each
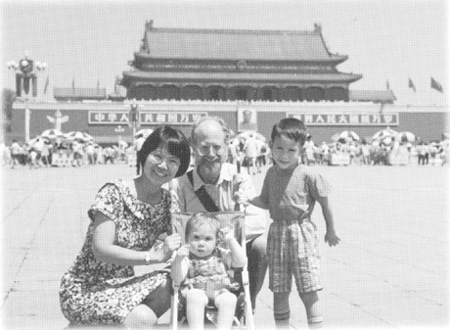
(202, 219)
(292, 128)
(176, 144)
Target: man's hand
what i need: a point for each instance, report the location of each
(241, 198)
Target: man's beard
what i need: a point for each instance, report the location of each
(209, 171)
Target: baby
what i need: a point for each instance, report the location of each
(201, 268)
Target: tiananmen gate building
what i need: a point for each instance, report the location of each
(179, 75)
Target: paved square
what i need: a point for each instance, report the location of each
(390, 270)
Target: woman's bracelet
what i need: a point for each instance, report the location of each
(147, 257)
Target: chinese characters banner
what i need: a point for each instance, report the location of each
(150, 118)
(323, 119)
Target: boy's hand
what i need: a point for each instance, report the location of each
(237, 179)
(239, 196)
(228, 233)
(332, 238)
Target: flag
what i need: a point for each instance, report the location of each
(437, 86)
(388, 87)
(98, 84)
(73, 83)
(411, 85)
(46, 86)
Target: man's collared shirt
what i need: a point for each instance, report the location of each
(184, 197)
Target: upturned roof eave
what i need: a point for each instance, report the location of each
(336, 59)
(140, 76)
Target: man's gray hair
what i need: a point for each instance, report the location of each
(213, 118)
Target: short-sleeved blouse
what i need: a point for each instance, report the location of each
(291, 194)
(92, 291)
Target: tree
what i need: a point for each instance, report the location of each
(8, 98)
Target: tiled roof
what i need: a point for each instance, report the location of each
(372, 96)
(238, 45)
(86, 93)
(154, 76)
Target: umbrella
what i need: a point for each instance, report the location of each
(77, 135)
(387, 140)
(145, 132)
(51, 133)
(345, 135)
(384, 133)
(32, 142)
(256, 135)
(123, 144)
(405, 137)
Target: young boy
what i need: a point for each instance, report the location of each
(201, 268)
(289, 192)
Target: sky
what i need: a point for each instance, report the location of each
(85, 42)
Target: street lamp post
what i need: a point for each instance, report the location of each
(133, 119)
(26, 77)
(119, 129)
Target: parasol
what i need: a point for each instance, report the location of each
(52, 134)
(245, 135)
(79, 136)
(345, 135)
(384, 133)
(145, 132)
(405, 137)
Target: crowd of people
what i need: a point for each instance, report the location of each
(254, 153)
(379, 153)
(53, 153)
(251, 151)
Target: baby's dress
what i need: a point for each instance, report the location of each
(97, 292)
(210, 275)
(203, 272)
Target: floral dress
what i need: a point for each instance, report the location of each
(97, 292)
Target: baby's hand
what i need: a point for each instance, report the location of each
(172, 242)
(332, 238)
(183, 251)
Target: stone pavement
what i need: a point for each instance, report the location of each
(390, 271)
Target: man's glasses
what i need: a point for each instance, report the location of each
(171, 161)
(204, 149)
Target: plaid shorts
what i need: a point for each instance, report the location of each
(293, 249)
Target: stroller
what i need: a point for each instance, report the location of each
(230, 220)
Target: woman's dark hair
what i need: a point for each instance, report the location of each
(292, 128)
(176, 144)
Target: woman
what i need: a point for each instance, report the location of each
(126, 220)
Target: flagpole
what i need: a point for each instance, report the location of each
(45, 86)
(431, 93)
